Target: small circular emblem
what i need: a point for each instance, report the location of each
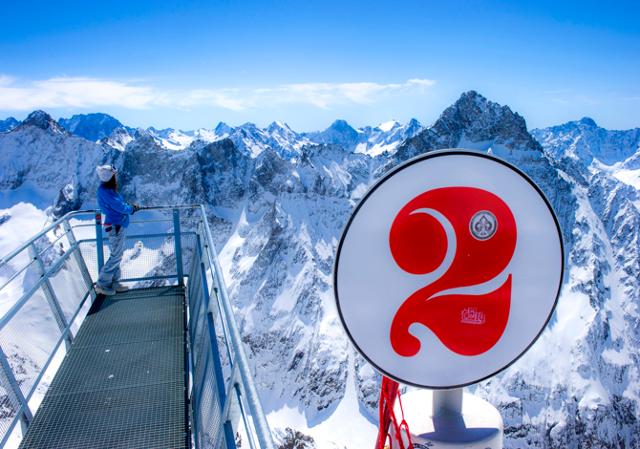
(483, 225)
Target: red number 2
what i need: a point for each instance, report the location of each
(486, 234)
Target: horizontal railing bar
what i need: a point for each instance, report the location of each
(142, 236)
(159, 220)
(148, 236)
(151, 278)
(51, 243)
(71, 214)
(184, 206)
(87, 225)
(18, 305)
(163, 220)
(33, 259)
(47, 248)
(155, 220)
(17, 251)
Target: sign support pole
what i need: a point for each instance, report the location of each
(451, 419)
(447, 402)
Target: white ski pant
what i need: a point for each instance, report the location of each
(110, 272)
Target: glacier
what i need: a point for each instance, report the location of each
(277, 202)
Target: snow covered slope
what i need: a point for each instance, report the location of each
(277, 205)
(39, 161)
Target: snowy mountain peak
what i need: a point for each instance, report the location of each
(278, 125)
(92, 127)
(472, 106)
(588, 121)
(249, 138)
(8, 124)
(388, 126)
(473, 118)
(471, 95)
(341, 125)
(222, 129)
(411, 129)
(249, 126)
(338, 133)
(584, 141)
(118, 139)
(585, 124)
(42, 120)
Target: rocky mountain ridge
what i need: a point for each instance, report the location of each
(8, 124)
(103, 128)
(277, 220)
(92, 127)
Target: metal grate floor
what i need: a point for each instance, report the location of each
(122, 383)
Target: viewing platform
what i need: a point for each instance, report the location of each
(161, 365)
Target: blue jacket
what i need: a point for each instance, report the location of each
(114, 208)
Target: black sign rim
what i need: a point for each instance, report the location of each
(396, 170)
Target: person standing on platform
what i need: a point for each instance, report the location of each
(116, 220)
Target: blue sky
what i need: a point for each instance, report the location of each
(308, 63)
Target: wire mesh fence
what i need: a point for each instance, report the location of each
(69, 282)
(148, 259)
(9, 405)
(27, 356)
(222, 414)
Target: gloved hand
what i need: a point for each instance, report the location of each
(136, 208)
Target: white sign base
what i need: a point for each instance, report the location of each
(448, 419)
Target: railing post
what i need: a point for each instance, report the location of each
(77, 254)
(51, 297)
(190, 351)
(25, 415)
(99, 248)
(217, 365)
(177, 240)
(214, 291)
(243, 413)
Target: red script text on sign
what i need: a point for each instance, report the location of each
(486, 233)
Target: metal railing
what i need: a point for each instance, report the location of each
(46, 289)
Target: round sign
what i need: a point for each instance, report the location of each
(449, 269)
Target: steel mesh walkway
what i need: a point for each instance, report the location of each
(122, 383)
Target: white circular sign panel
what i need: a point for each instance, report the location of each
(449, 269)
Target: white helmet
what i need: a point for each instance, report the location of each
(106, 172)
